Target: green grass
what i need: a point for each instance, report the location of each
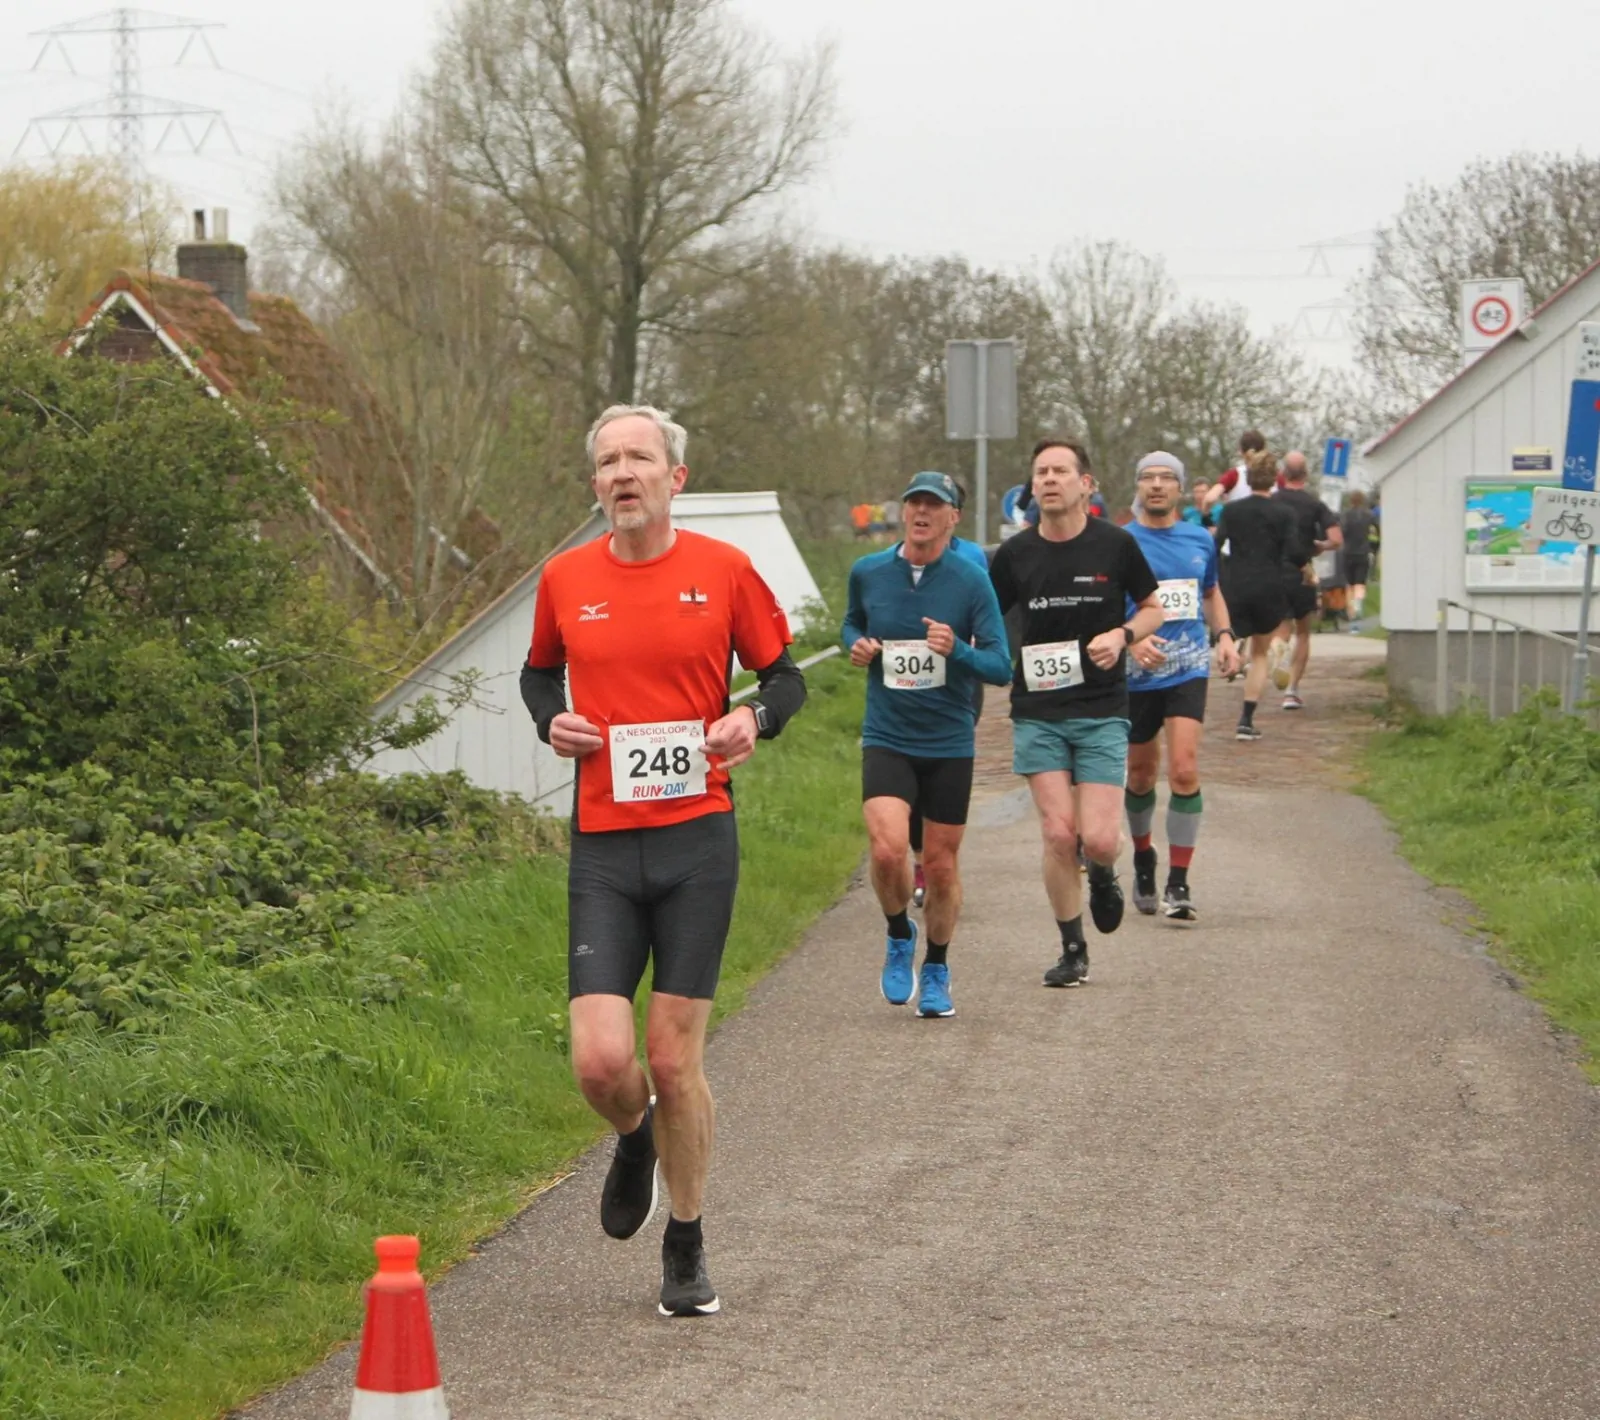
(1506, 813)
(186, 1219)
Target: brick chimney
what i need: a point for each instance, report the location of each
(220, 264)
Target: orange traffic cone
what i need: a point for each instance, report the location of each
(398, 1378)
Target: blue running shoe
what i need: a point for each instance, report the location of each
(933, 991)
(898, 980)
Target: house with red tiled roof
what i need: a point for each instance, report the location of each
(242, 345)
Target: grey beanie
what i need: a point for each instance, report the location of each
(1162, 459)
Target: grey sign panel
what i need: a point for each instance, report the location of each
(991, 413)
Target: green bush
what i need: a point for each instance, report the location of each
(110, 892)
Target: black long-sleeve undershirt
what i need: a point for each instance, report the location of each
(782, 692)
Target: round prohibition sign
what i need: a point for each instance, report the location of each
(1491, 315)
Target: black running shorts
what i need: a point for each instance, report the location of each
(1356, 568)
(1149, 710)
(664, 892)
(1302, 599)
(940, 788)
(1256, 608)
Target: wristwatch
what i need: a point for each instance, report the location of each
(1224, 631)
(763, 717)
(1127, 634)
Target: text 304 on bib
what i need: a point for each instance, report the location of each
(912, 665)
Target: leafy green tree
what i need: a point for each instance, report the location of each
(146, 625)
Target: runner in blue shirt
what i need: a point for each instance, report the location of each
(925, 625)
(1167, 681)
(974, 553)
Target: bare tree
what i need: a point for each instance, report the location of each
(417, 293)
(621, 146)
(1536, 216)
(1132, 372)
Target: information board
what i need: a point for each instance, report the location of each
(1506, 550)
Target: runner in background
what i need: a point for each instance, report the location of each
(1234, 485)
(1317, 527)
(1356, 524)
(1193, 510)
(924, 624)
(1070, 579)
(1262, 533)
(1167, 680)
(640, 627)
(973, 552)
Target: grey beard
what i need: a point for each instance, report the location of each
(630, 521)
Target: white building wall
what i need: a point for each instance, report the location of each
(492, 740)
(1471, 436)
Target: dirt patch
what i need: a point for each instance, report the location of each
(1316, 746)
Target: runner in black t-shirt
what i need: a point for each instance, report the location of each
(1262, 537)
(1070, 578)
(1317, 526)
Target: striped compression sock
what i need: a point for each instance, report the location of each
(1141, 817)
(1183, 831)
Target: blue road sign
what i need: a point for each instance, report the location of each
(1336, 458)
(1583, 435)
(1008, 504)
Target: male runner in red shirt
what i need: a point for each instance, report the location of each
(642, 627)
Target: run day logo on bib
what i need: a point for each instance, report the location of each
(911, 665)
(665, 760)
(1180, 599)
(1052, 665)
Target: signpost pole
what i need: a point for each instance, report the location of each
(1580, 657)
(983, 443)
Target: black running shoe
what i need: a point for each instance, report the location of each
(1071, 970)
(1144, 882)
(1176, 904)
(1105, 899)
(633, 1183)
(1246, 732)
(686, 1288)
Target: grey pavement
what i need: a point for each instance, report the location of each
(1313, 1157)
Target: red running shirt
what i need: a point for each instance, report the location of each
(648, 647)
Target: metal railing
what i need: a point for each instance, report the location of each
(1537, 659)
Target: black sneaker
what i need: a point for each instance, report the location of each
(686, 1288)
(633, 1182)
(1071, 970)
(1246, 732)
(1144, 883)
(1105, 899)
(1176, 904)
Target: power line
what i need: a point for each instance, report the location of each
(125, 108)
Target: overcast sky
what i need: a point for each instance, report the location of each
(1230, 138)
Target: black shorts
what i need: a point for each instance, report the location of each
(1356, 569)
(1149, 710)
(1302, 599)
(642, 892)
(1256, 608)
(940, 788)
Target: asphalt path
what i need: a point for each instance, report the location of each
(1314, 1156)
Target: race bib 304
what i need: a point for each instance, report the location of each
(912, 665)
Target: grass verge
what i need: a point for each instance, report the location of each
(1506, 813)
(186, 1219)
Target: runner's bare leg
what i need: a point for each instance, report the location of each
(685, 1117)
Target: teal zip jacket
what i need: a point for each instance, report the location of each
(887, 605)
